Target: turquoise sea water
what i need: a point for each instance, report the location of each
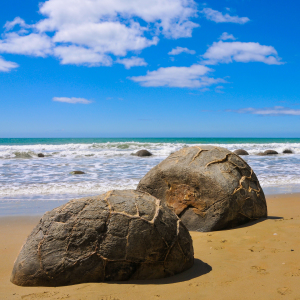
(29, 184)
(59, 141)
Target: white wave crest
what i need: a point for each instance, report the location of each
(110, 165)
(127, 148)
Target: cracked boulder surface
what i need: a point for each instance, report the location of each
(116, 236)
(209, 188)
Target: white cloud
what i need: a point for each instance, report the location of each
(178, 29)
(179, 50)
(72, 100)
(225, 36)
(89, 31)
(218, 17)
(81, 56)
(190, 77)
(171, 17)
(16, 21)
(132, 62)
(34, 44)
(105, 37)
(6, 66)
(276, 110)
(98, 32)
(227, 52)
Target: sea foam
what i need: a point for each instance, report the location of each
(110, 165)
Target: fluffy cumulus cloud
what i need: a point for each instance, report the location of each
(34, 44)
(171, 17)
(227, 52)
(218, 17)
(269, 111)
(107, 37)
(132, 62)
(6, 66)
(77, 55)
(179, 50)
(225, 36)
(194, 76)
(90, 32)
(103, 32)
(72, 100)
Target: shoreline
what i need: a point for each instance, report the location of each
(259, 260)
(36, 207)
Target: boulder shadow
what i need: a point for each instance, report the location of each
(198, 269)
(274, 218)
(253, 222)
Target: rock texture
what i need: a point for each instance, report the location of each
(41, 155)
(209, 188)
(143, 153)
(119, 235)
(270, 152)
(287, 151)
(241, 152)
(77, 172)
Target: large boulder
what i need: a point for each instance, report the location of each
(119, 235)
(209, 188)
(287, 151)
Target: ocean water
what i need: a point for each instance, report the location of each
(31, 184)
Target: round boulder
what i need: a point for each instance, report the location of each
(241, 152)
(119, 235)
(287, 151)
(270, 152)
(41, 155)
(143, 153)
(209, 188)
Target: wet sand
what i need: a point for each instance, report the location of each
(260, 260)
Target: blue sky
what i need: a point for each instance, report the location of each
(156, 68)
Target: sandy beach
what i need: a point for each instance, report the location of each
(258, 261)
(140, 127)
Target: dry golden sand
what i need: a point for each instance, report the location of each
(257, 261)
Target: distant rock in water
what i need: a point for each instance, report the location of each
(41, 155)
(119, 235)
(267, 152)
(143, 153)
(287, 151)
(270, 152)
(77, 172)
(209, 188)
(241, 152)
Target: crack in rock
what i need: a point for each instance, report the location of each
(199, 152)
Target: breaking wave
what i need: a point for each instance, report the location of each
(110, 165)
